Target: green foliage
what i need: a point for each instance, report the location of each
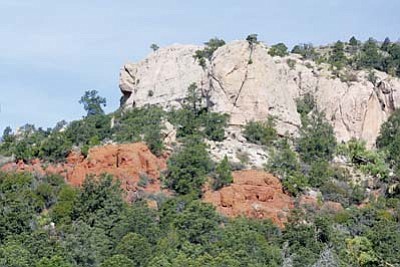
(338, 58)
(86, 245)
(368, 161)
(303, 244)
(304, 106)
(353, 41)
(194, 119)
(386, 44)
(154, 47)
(320, 172)
(279, 49)
(14, 256)
(252, 39)
(389, 140)
(370, 56)
(360, 249)
(223, 174)
(91, 128)
(55, 148)
(250, 241)
(192, 220)
(118, 261)
(284, 163)
(213, 125)
(307, 51)
(99, 203)
(62, 210)
(140, 219)
(18, 204)
(262, 133)
(206, 54)
(92, 103)
(188, 167)
(55, 261)
(183, 231)
(317, 140)
(291, 63)
(141, 124)
(136, 248)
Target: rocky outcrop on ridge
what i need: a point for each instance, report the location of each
(249, 84)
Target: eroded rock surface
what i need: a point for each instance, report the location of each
(126, 162)
(248, 84)
(253, 194)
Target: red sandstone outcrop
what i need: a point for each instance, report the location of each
(127, 162)
(254, 194)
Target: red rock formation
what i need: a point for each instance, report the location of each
(127, 162)
(254, 194)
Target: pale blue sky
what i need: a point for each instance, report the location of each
(52, 51)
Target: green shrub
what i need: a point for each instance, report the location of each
(80, 132)
(368, 161)
(291, 63)
(141, 124)
(214, 125)
(262, 133)
(307, 51)
(338, 58)
(252, 39)
(93, 103)
(223, 174)
(304, 106)
(55, 148)
(194, 119)
(206, 54)
(279, 49)
(188, 167)
(389, 140)
(284, 163)
(370, 56)
(136, 248)
(319, 173)
(317, 140)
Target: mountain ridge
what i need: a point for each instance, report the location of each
(247, 83)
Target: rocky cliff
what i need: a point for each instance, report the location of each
(248, 84)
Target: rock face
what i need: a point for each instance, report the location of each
(248, 84)
(126, 162)
(254, 194)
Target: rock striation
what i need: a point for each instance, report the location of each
(248, 84)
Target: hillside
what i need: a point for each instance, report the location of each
(227, 154)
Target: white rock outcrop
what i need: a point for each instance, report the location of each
(249, 84)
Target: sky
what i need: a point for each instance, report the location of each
(51, 52)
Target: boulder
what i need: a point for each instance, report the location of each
(254, 194)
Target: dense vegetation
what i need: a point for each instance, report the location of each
(354, 54)
(45, 222)
(144, 124)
